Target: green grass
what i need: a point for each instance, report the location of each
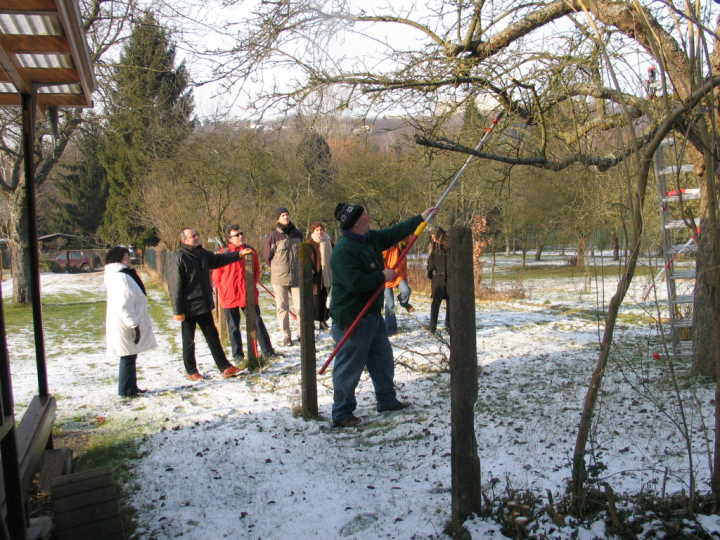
(551, 271)
(109, 449)
(59, 319)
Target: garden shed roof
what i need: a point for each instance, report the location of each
(42, 46)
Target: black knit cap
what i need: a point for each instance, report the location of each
(281, 210)
(348, 214)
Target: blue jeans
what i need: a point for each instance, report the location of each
(403, 298)
(367, 346)
(232, 316)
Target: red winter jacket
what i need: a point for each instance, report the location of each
(230, 279)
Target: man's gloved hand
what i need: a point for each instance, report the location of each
(180, 317)
(389, 274)
(137, 335)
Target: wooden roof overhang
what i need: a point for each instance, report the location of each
(43, 48)
(44, 62)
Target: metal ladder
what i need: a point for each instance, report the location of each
(678, 243)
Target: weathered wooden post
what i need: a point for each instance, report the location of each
(218, 315)
(465, 466)
(307, 334)
(253, 361)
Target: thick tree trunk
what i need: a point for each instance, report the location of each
(706, 308)
(19, 246)
(616, 247)
(580, 254)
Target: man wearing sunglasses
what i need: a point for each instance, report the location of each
(192, 300)
(230, 283)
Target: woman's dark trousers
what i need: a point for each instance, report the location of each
(127, 379)
(438, 295)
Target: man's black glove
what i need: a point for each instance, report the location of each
(137, 335)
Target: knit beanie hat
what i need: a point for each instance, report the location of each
(348, 214)
(281, 210)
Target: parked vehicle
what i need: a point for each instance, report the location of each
(75, 260)
(134, 257)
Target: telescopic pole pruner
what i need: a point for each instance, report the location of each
(418, 231)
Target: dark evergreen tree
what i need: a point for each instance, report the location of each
(82, 187)
(149, 115)
(316, 158)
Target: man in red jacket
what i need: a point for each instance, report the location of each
(230, 283)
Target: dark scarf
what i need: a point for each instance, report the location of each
(286, 229)
(133, 274)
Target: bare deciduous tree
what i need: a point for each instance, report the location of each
(533, 59)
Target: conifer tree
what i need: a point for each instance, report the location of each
(149, 115)
(82, 187)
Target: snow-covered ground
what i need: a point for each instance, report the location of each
(228, 459)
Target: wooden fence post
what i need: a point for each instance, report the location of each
(250, 315)
(218, 318)
(307, 334)
(465, 466)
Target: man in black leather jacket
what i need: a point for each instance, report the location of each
(192, 300)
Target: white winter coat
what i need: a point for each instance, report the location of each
(127, 307)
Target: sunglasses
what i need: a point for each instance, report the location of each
(236, 235)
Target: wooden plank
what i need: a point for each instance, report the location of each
(49, 75)
(86, 498)
(56, 463)
(34, 44)
(78, 477)
(107, 530)
(28, 5)
(86, 515)
(62, 488)
(33, 434)
(46, 100)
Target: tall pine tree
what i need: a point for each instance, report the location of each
(83, 187)
(149, 115)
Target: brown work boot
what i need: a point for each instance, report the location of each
(348, 421)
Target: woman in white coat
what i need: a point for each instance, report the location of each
(127, 325)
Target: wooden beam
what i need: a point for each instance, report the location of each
(46, 100)
(28, 5)
(41, 76)
(11, 69)
(34, 44)
(69, 14)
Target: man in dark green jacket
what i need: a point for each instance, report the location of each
(358, 271)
